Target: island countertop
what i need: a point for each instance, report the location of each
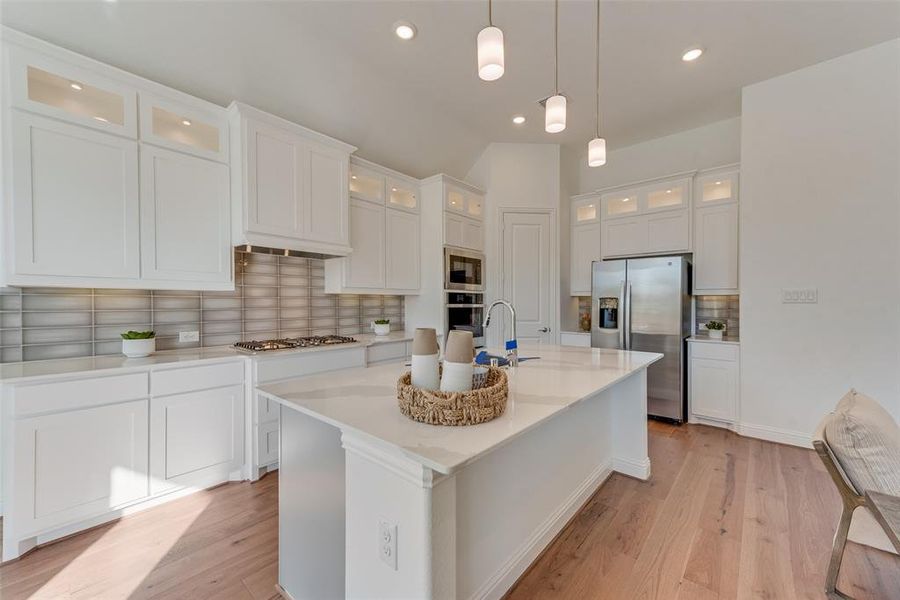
(364, 401)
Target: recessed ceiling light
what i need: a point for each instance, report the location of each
(405, 30)
(691, 54)
(668, 191)
(353, 177)
(518, 119)
(76, 86)
(718, 183)
(186, 122)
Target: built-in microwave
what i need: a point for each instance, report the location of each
(463, 270)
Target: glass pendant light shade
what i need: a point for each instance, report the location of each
(555, 114)
(597, 152)
(490, 53)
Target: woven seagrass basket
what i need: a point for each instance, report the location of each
(454, 408)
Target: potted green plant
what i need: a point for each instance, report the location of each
(381, 326)
(715, 329)
(137, 344)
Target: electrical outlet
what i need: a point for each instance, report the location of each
(387, 543)
(799, 296)
(188, 336)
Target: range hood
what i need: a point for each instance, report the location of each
(250, 248)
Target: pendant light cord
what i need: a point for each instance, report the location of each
(556, 45)
(598, 68)
(490, 14)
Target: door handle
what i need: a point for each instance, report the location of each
(544, 330)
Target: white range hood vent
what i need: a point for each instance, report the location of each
(282, 252)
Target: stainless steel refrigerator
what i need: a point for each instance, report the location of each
(645, 304)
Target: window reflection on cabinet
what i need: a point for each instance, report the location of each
(366, 184)
(75, 97)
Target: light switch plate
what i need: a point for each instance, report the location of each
(188, 336)
(799, 296)
(387, 543)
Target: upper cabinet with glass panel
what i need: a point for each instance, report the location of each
(456, 200)
(366, 184)
(585, 210)
(402, 194)
(620, 204)
(474, 205)
(71, 93)
(717, 188)
(668, 195)
(188, 128)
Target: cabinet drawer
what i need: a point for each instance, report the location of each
(78, 393)
(307, 363)
(177, 381)
(714, 351)
(385, 352)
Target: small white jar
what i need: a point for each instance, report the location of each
(457, 377)
(138, 348)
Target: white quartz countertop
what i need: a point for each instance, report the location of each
(15, 372)
(364, 401)
(705, 339)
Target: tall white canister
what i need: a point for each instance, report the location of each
(458, 369)
(425, 371)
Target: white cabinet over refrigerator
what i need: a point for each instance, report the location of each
(716, 232)
(585, 240)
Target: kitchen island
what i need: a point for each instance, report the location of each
(373, 505)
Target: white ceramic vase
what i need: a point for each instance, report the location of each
(381, 328)
(457, 377)
(138, 348)
(715, 334)
(425, 371)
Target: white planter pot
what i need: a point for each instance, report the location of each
(381, 328)
(138, 348)
(715, 334)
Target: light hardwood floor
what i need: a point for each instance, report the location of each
(722, 517)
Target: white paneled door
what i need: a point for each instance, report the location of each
(528, 274)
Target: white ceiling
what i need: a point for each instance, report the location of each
(419, 106)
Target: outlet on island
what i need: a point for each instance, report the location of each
(387, 543)
(188, 336)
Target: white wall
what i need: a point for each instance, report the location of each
(712, 145)
(820, 183)
(516, 176)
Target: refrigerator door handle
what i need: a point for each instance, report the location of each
(622, 317)
(628, 316)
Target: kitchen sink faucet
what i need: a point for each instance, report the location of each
(512, 351)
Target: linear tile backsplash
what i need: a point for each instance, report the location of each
(274, 296)
(719, 308)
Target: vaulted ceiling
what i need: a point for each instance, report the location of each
(418, 106)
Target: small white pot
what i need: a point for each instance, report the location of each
(138, 348)
(381, 328)
(715, 334)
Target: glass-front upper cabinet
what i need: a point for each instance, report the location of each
(668, 195)
(474, 205)
(192, 129)
(402, 194)
(717, 188)
(585, 210)
(366, 184)
(620, 204)
(71, 93)
(456, 199)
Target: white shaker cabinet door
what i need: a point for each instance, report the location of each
(325, 198)
(585, 250)
(185, 218)
(714, 388)
(196, 438)
(623, 237)
(453, 230)
(473, 235)
(75, 201)
(716, 249)
(74, 465)
(275, 181)
(403, 250)
(365, 265)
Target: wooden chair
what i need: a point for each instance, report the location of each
(850, 501)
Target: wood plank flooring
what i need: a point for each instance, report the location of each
(722, 517)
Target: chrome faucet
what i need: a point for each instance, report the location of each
(512, 351)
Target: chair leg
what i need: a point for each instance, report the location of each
(837, 553)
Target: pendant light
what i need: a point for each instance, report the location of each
(555, 110)
(490, 50)
(597, 146)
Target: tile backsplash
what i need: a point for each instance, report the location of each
(718, 308)
(274, 296)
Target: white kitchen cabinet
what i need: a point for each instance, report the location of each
(196, 438)
(289, 185)
(454, 227)
(647, 218)
(366, 183)
(716, 233)
(585, 250)
(185, 218)
(75, 205)
(387, 352)
(366, 265)
(73, 465)
(714, 380)
(184, 127)
(402, 194)
(473, 235)
(578, 339)
(267, 452)
(402, 250)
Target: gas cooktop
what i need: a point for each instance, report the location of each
(255, 346)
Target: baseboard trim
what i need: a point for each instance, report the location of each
(509, 572)
(639, 469)
(775, 434)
